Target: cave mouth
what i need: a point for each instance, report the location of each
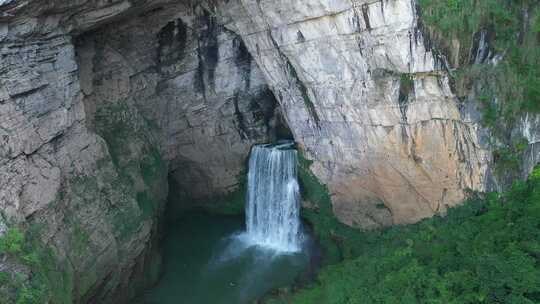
(178, 102)
(215, 258)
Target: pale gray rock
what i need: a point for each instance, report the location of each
(195, 81)
(368, 103)
(100, 100)
(3, 32)
(42, 185)
(529, 128)
(90, 123)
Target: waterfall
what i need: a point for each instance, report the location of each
(273, 198)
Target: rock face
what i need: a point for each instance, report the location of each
(529, 128)
(58, 177)
(94, 117)
(370, 102)
(193, 80)
(102, 101)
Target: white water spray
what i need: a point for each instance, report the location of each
(273, 198)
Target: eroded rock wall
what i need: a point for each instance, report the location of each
(194, 81)
(58, 178)
(369, 102)
(98, 102)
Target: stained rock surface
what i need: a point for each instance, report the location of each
(194, 82)
(101, 102)
(370, 102)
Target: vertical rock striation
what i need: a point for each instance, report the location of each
(193, 81)
(102, 101)
(57, 176)
(98, 102)
(369, 102)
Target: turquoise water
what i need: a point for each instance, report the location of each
(206, 262)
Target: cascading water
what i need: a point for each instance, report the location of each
(210, 253)
(273, 198)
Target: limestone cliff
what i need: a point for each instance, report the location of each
(101, 101)
(192, 80)
(370, 102)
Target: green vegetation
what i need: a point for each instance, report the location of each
(135, 157)
(152, 167)
(462, 18)
(337, 240)
(486, 251)
(42, 281)
(406, 85)
(508, 158)
(505, 90)
(12, 242)
(137, 173)
(513, 29)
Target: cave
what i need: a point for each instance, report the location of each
(190, 90)
(180, 102)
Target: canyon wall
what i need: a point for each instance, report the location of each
(103, 102)
(99, 104)
(193, 81)
(370, 101)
